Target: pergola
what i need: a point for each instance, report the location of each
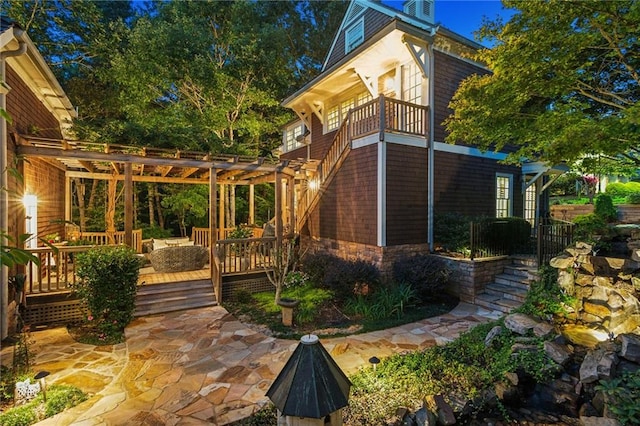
(130, 164)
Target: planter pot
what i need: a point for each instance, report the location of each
(287, 306)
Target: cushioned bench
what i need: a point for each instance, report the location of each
(178, 259)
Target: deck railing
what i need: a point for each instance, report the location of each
(553, 237)
(200, 236)
(377, 116)
(56, 271)
(102, 238)
(245, 255)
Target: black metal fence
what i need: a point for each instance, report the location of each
(508, 237)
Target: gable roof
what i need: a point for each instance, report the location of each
(34, 71)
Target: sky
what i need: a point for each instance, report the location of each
(463, 16)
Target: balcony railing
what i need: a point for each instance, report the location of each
(382, 115)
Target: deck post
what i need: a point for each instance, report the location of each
(213, 256)
(128, 204)
(252, 204)
(278, 206)
(291, 189)
(221, 209)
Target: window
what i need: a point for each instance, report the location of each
(412, 92)
(289, 138)
(354, 36)
(530, 196)
(503, 195)
(338, 112)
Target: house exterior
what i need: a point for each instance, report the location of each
(36, 105)
(377, 170)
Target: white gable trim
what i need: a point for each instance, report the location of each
(348, 17)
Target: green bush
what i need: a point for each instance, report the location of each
(428, 275)
(384, 303)
(451, 231)
(633, 198)
(59, 398)
(241, 232)
(545, 298)
(343, 277)
(588, 225)
(108, 279)
(509, 233)
(605, 209)
(619, 189)
(155, 232)
(623, 393)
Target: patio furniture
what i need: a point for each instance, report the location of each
(179, 258)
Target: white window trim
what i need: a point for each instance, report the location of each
(354, 96)
(355, 29)
(291, 128)
(510, 204)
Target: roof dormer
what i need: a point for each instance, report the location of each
(421, 9)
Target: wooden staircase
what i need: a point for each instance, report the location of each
(509, 289)
(167, 297)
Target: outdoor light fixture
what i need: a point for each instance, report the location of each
(43, 385)
(374, 360)
(313, 184)
(30, 200)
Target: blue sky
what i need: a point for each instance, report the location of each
(463, 16)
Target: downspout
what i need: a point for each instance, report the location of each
(430, 145)
(4, 202)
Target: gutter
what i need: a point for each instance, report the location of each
(19, 35)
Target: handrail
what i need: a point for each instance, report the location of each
(378, 115)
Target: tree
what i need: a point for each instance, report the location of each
(564, 83)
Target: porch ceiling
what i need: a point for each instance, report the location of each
(377, 56)
(102, 161)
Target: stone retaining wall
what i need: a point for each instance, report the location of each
(627, 213)
(468, 277)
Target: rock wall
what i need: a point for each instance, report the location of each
(606, 289)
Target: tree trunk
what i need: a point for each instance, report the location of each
(232, 205)
(150, 197)
(79, 184)
(110, 216)
(156, 198)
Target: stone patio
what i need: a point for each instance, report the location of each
(204, 366)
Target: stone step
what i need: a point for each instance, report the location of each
(496, 303)
(513, 280)
(506, 291)
(522, 271)
(524, 260)
(169, 297)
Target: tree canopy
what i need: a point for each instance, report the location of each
(564, 83)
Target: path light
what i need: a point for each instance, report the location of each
(374, 360)
(43, 385)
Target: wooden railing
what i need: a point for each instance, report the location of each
(377, 116)
(200, 236)
(102, 238)
(245, 255)
(56, 271)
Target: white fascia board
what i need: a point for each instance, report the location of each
(468, 150)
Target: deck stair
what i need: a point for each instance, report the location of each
(167, 297)
(509, 289)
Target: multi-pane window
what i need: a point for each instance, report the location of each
(291, 133)
(530, 196)
(503, 195)
(412, 92)
(337, 113)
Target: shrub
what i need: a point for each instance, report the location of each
(315, 266)
(588, 225)
(383, 303)
(623, 393)
(451, 231)
(108, 280)
(619, 189)
(511, 233)
(633, 198)
(241, 232)
(59, 398)
(605, 209)
(428, 275)
(346, 278)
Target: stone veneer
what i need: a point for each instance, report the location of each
(468, 277)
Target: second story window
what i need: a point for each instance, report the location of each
(293, 137)
(339, 111)
(354, 36)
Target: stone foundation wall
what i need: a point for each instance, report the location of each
(468, 277)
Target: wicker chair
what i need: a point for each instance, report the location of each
(178, 259)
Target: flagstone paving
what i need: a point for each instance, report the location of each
(203, 366)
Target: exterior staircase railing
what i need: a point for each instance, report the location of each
(379, 115)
